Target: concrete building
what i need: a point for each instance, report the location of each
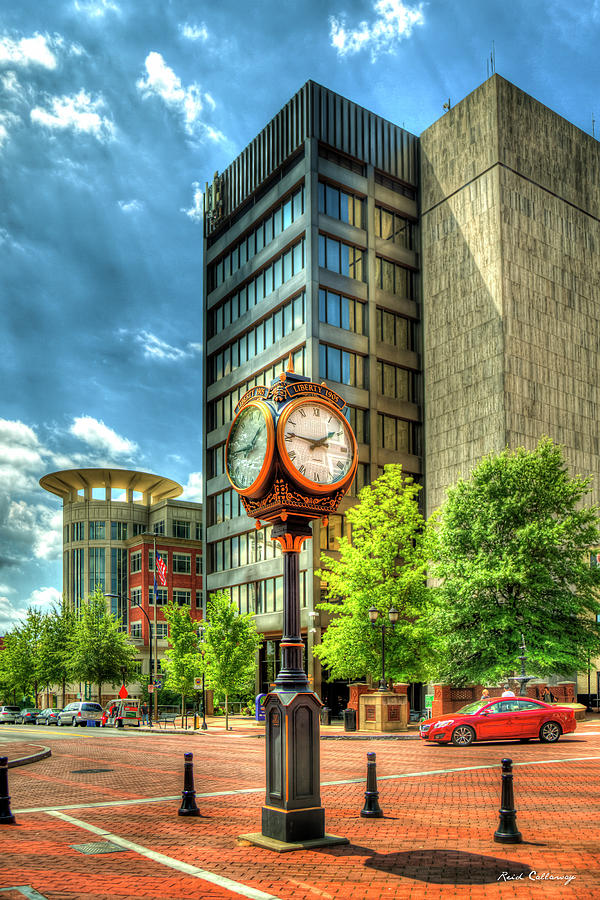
(446, 286)
(112, 519)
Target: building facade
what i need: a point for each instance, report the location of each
(112, 521)
(445, 285)
(310, 248)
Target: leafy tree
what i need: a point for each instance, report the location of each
(100, 652)
(512, 554)
(231, 642)
(384, 565)
(55, 646)
(21, 658)
(183, 661)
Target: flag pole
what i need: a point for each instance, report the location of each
(154, 692)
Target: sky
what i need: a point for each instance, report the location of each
(113, 115)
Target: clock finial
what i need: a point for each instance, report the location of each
(290, 365)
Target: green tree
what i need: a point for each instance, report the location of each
(512, 555)
(384, 565)
(183, 661)
(231, 643)
(100, 652)
(21, 658)
(56, 646)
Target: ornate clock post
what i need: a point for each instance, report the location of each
(292, 456)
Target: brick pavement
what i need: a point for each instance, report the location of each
(436, 839)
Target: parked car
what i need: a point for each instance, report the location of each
(27, 717)
(79, 713)
(514, 718)
(123, 712)
(48, 716)
(8, 714)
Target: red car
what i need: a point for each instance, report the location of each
(509, 718)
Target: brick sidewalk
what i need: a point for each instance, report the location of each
(436, 839)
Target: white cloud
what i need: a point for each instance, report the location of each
(131, 206)
(196, 210)
(10, 615)
(45, 598)
(187, 102)
(33, 51)
(192, 491)
(102, 438)
(393, 22)
(78, 113)
(96, 9)
(155, 348)
(21, 457)
(194, 32)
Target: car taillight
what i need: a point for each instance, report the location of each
(79, 714)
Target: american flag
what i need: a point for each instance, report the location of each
(162, 570)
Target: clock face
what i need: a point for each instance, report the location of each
(249, 451)
(317, 445)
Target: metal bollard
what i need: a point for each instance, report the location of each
(6, 817)
(188, 797)
(507, 832)
(371, 809)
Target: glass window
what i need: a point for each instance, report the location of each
(135, 561)
(182, 563)
(181, 529)
(97, 531)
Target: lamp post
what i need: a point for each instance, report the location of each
(141, 608)
(393, 616)
(523, 679)
(201, 637)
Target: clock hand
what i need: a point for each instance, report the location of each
(309, 440)
(321, 441)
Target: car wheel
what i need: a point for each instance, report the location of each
(550, 732)
(463, 735)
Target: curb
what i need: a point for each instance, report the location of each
(44, 753)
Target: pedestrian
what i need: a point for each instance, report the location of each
(485, 694)
(507, 691)
(144, 711)
(548, 696)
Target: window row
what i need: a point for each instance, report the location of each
(243, 549)
(343, 312)
(340, 159)
(395, 382)
(359, 420)
(343, 205)
(162, 631)
(390, 226)
(342, 366)
(261, 235)
(393, 278)
(264, 596)
(345, 259)
(179, 596)
(283, 321)
(119, 530)
(224, 506)
(330, 534)
(398, 434)
(220, 412)
(280, 270)
(397, 186)
(396, 330)
(181, 562)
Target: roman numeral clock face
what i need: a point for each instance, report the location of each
(250, 449)
(316, 444)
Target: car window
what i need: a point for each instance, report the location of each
(13, 708)
(91, 707)
(529, 704)
(495, 708)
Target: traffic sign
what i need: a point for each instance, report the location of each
(150, 688)
(197, 684)
(123, 692)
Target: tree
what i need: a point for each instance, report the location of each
(384, 565)
(100, 652)
(512, 554)
(183, 661)
(231, 644)
(55, 646)
(21, 658)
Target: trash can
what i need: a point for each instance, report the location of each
(325, 716)
(259, 710)
(349, 720)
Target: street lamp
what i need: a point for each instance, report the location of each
(201, 639)
(141, 608)
(393, 616)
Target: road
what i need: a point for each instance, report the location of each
(120, 791)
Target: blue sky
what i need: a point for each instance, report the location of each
(113, 115)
